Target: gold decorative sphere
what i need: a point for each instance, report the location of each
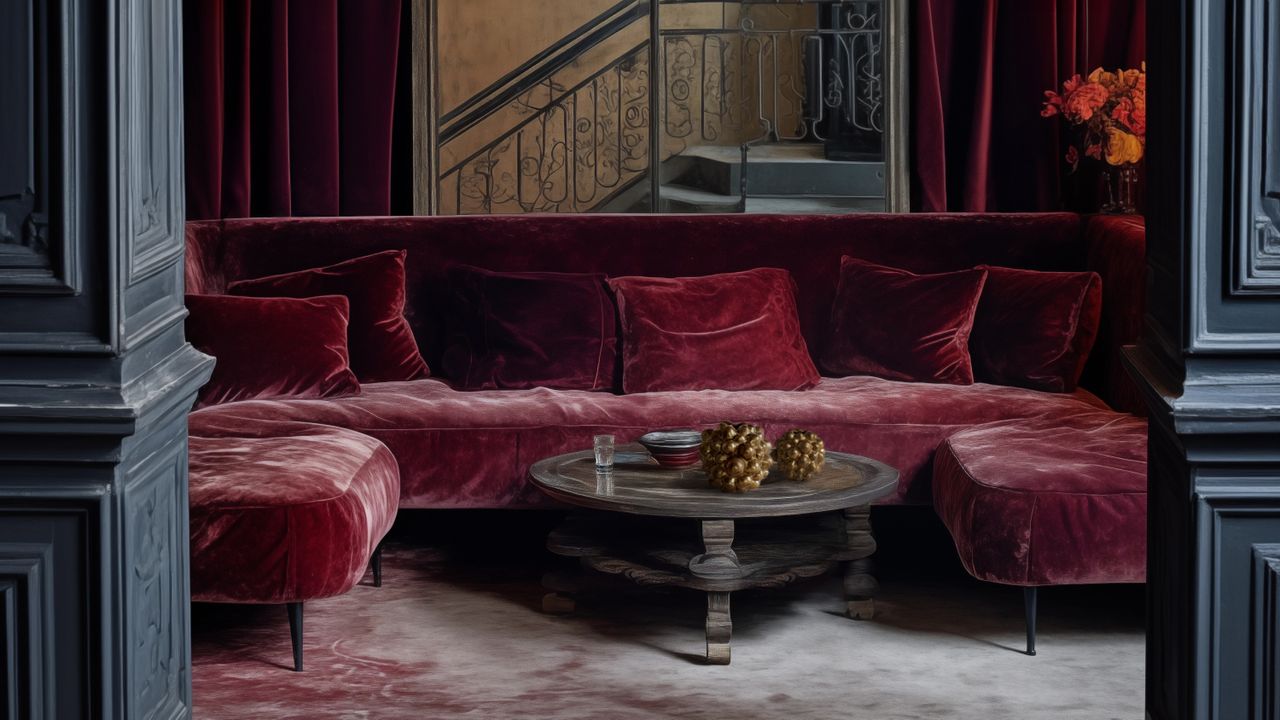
(735, 456)
(799, 454)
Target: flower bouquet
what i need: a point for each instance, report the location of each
(1109, 110)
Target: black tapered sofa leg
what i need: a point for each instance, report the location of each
(295, 632)
(376, 563)
(1029, 600)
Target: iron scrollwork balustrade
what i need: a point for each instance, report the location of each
(754, 84)
(570, 154)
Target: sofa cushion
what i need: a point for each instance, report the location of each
(1035, 329)
(1047, 501)
(268, 347)
(898, 325)
(730, 331)
(531, 329)
(284, 511)
(474, 449)
(382, 345)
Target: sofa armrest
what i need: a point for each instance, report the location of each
(1117, 252)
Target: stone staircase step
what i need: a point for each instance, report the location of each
(682, 199)
(781, 169)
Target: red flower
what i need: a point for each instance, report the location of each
(1073, 157)
(1080, 105)
(1094, 151)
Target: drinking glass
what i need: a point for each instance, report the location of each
(604, 451)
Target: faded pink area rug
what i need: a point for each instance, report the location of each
(464, 637)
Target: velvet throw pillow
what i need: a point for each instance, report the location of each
(382, 344)
(530, 329)
(899, 325)
(271, 347)
(1035, 329)
(734, 331)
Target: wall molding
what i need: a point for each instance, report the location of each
(1255, 71)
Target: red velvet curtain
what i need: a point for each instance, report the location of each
(979, 72)
(290, 106)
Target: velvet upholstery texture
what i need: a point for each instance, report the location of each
(531, 329)
(896, 324)
(284, 512)
(1049, 501)
(473, 449)
(729, 331)
(382, 344)
(809, 247)
(270, 347)
(1117, 251)
(1035, 329)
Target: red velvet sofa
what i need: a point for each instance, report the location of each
(472, 449)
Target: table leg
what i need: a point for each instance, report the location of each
(719, 561)
(719, 628)
(860, 588)
(559, 599)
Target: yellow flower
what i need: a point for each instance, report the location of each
(1122, 147)
(1103, 78)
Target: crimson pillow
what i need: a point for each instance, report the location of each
(271, 347)
(382, 344)
(1035, 329)
(531, 329)
(898, 325)
(735, 331)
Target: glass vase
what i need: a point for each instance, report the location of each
(1118, 189)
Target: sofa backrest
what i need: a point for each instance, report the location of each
(810, 247)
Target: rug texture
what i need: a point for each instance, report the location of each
(461, 635)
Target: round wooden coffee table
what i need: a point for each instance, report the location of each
(644, 534)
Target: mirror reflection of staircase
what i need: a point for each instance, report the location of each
(647, 106)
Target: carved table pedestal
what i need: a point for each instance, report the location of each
(660, 526)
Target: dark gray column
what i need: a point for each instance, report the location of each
(1210, 359)
(95, 377)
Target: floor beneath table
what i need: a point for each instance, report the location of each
(456, 631)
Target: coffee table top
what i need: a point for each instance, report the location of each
(638, 485)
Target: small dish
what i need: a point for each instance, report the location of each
(673, 448)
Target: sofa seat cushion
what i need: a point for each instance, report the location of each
(474, 449)
(1050, 501)
(284, 511)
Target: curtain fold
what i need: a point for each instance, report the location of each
(290, 106)
(979, 72)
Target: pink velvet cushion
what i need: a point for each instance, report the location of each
(531, 329)
(271, 347)
(283, 511)
(382, 344)
(732, 331)
(895, 324)
(1035, 329)
(1049, 501)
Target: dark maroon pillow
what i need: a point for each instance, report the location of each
(531, 329)
(271, 347)
(1035, 329)
(382, 344)
(898, 325)
(735, 331)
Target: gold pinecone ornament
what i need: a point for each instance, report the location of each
(799, 454)
(735, 456)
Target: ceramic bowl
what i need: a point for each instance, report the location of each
(673, 448)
